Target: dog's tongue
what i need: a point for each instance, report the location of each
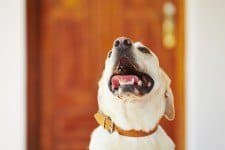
(124, 80)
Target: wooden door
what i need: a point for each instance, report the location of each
(67, 44)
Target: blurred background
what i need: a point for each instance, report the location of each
(52, 54)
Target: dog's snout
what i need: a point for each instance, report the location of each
(122, 43)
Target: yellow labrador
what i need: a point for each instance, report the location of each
(134, 94)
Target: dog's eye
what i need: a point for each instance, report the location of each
(144, 50)
(109, 54)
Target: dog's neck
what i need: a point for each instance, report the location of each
(138, 115)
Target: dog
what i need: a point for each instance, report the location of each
(134, 94)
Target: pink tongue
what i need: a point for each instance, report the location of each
(123, 78)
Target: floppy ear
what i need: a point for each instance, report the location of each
(169, 110)
(168, 95)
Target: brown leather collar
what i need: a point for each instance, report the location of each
(108, 124)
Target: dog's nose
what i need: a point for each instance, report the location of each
(122, 43)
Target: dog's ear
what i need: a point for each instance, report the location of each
(169, 110)
(168, 94)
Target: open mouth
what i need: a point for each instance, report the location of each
(127, 78)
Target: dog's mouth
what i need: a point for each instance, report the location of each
(127, 79)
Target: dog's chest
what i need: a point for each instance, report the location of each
(101, 140)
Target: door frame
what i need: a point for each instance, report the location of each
(33, 62)
(179, 83)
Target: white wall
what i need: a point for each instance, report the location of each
(206, 74)
(12, 75)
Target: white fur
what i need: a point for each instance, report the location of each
(134, 112)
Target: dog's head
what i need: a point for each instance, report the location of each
(132, 74)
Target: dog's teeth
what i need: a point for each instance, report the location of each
(113, 87)
(139, 83)
(127, 82)
(120, 91)
(136, 91)
(132, 81)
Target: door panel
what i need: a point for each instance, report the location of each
(74, 38)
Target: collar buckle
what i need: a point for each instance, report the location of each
(110, 127)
